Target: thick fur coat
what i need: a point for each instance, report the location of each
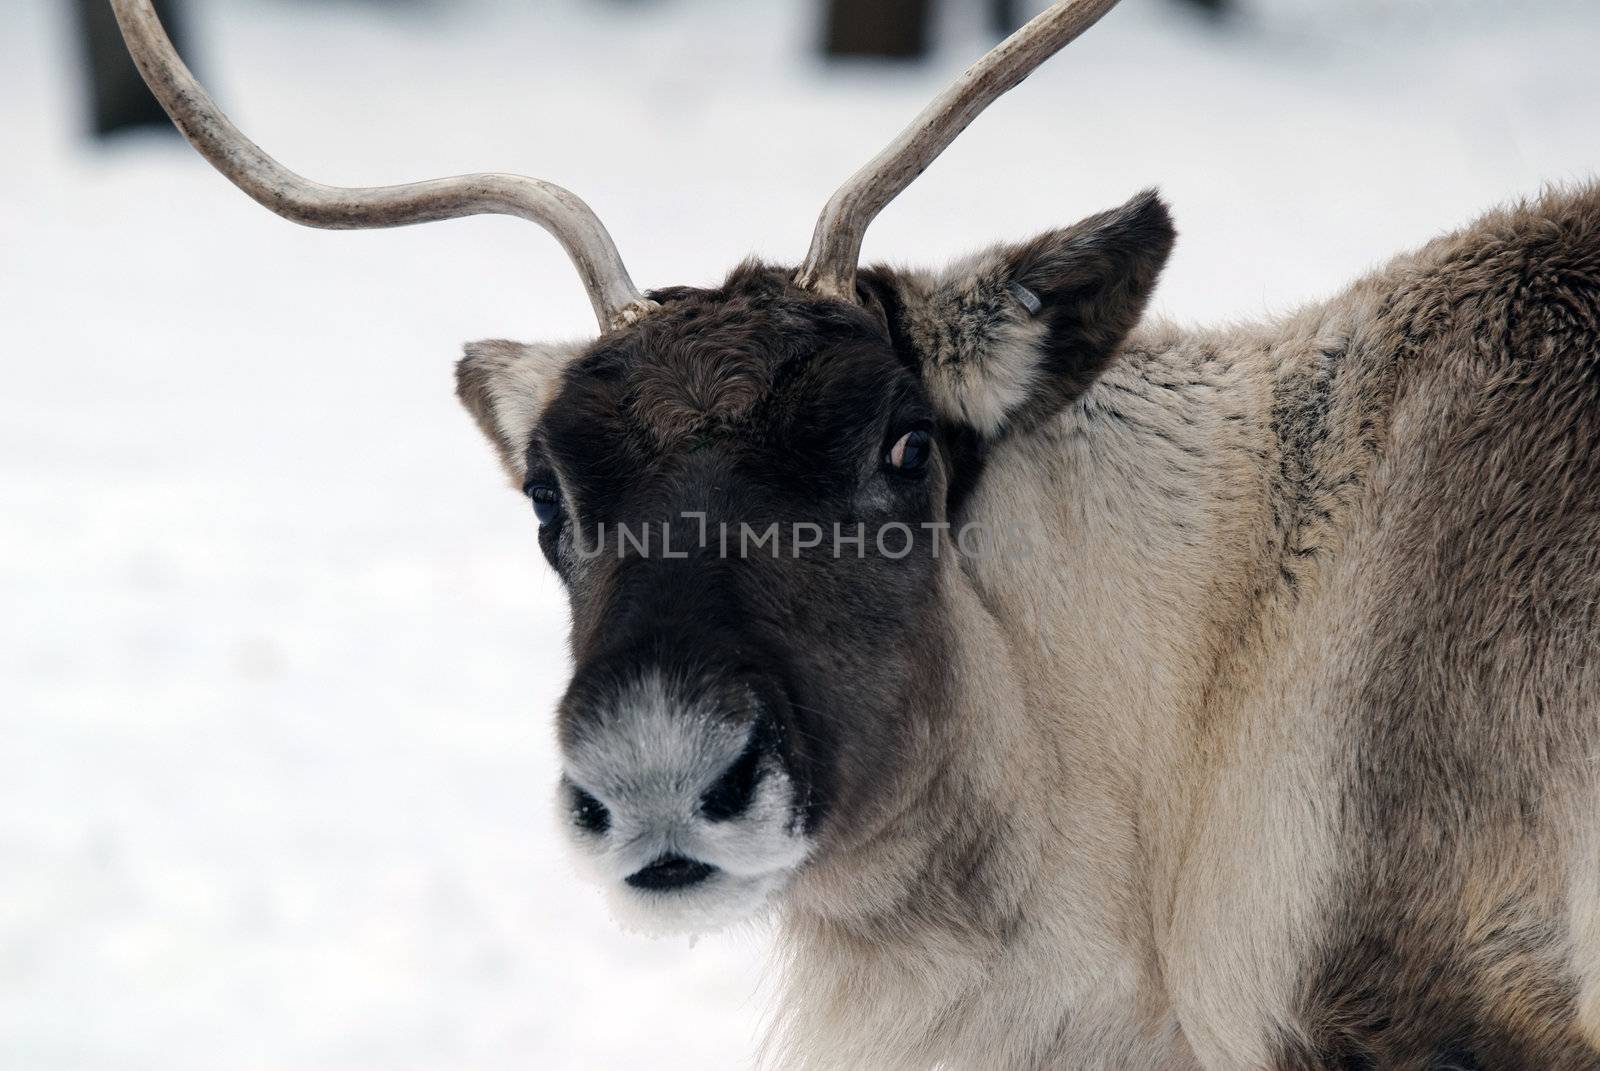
(1279, 749)
(1284, 750)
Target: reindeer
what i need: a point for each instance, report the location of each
(1276, 749)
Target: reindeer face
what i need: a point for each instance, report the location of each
(744, 493)
(736, 665)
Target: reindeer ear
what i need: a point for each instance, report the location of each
(506, 387)
(1007, 338)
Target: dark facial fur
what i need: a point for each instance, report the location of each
(754, 404)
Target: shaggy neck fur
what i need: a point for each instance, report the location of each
(1175, 522)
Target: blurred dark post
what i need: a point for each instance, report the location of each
(118, 95)
(1214, 8)
(900, 29)
(1005, 16)
(893, 28)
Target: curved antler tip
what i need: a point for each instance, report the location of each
(313, 204)
(836, 241)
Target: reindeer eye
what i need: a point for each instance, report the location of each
(546, 502)
(909, 453)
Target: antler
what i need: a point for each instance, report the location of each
(616, 301)
(830, 265)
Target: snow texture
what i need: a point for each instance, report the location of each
(277, 650)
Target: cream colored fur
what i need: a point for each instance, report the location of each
(1151, 717)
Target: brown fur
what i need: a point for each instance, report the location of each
(1476, 720)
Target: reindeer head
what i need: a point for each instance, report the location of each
(745, 489)
(744, 493)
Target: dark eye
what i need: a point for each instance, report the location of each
(909, 453)
(546, 502)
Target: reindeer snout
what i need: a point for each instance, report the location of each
(723, 800)
(665, 771)
(680, 796)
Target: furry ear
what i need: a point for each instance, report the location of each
(1007, 338)
(506, 386)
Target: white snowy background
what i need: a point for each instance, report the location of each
(277, 650)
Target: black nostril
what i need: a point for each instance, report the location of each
(736, 788)
(670, 872)
(589, 812)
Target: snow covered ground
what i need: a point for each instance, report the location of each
(277, 650)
